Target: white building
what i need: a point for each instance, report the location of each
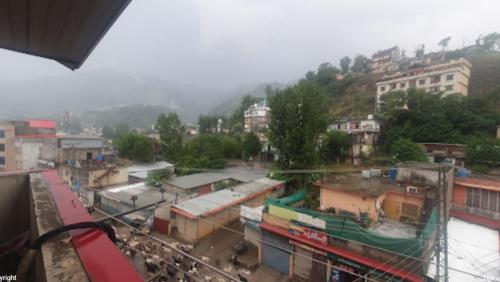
(257, 118)
(448, 77)
(364, 135)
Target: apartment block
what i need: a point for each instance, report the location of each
(257, 118)
(448, 77)
(7, 149)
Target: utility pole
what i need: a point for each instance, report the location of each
(438, 238)
(442, 226)
(445, 221)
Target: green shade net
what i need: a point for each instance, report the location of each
(343, 228)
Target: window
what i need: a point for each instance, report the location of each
(409, 210)
(483, 199)
(449, 87)
(449, 77)
(2, 133)
(393, 86)
(382, 88)
(435, 78)
(2, 160)
(434, 89)
(493, 200)
(421, 82)
(2, 147)
(472, 197)
(402, 85)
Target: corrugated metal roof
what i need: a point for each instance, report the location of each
(65, 31)
(199, 179)
(149, 167)
(212, 202)
(145, 194)
(256, 186)
(208, 202)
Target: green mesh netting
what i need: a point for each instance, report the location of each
(342, 228)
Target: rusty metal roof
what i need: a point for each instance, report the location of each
(65, 31)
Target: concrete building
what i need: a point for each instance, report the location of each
(385, 61)
(340, 249)
(477, 200)
(364, 135)
(257, 118)
(77, 148)
(479, 244)
(140, 172)
(196, 218)
(448, 77)
(32, 204)
(206, 182)
(23, 141)
(7, 149)
(371, 200)
(119, 199)
(445, 153)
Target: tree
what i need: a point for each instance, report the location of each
(156, 178)
(251, 145)
(335, 146)
(491, 41)
(482, 150)
(360, 64)
(300, 115)
(108, 132)
(137, 147)
(121, 129)
(207, 124)
(345, 63)
(404, 150)
(171, 133)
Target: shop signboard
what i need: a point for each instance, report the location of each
(309, 234)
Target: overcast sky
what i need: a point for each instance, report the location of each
(228, 43)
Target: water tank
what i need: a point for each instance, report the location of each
(370, 117)
(365, 173)
(463, 172)
(392, 173)
(375, 172)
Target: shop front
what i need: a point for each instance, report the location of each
(345, 270)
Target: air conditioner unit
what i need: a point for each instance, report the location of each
(411, 190)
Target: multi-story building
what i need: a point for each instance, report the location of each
(385, 60)
(364, 135)
(477, 200)
(257, 118)
(7, 149)
(447, 77)
(20, 146)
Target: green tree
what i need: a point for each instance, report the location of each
(137, 147)
(121, 129)
(207, 124)
(171, 133)
(335, 146)
(482, 150)
(251, 145)
(108, 132)
(345, 63)
(491, 41)
(156, 178)
(360, 64)
(404, 150)
(299, 116)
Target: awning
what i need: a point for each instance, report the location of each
(62, 30)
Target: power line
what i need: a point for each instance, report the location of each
(173, 247)
(259, 240)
